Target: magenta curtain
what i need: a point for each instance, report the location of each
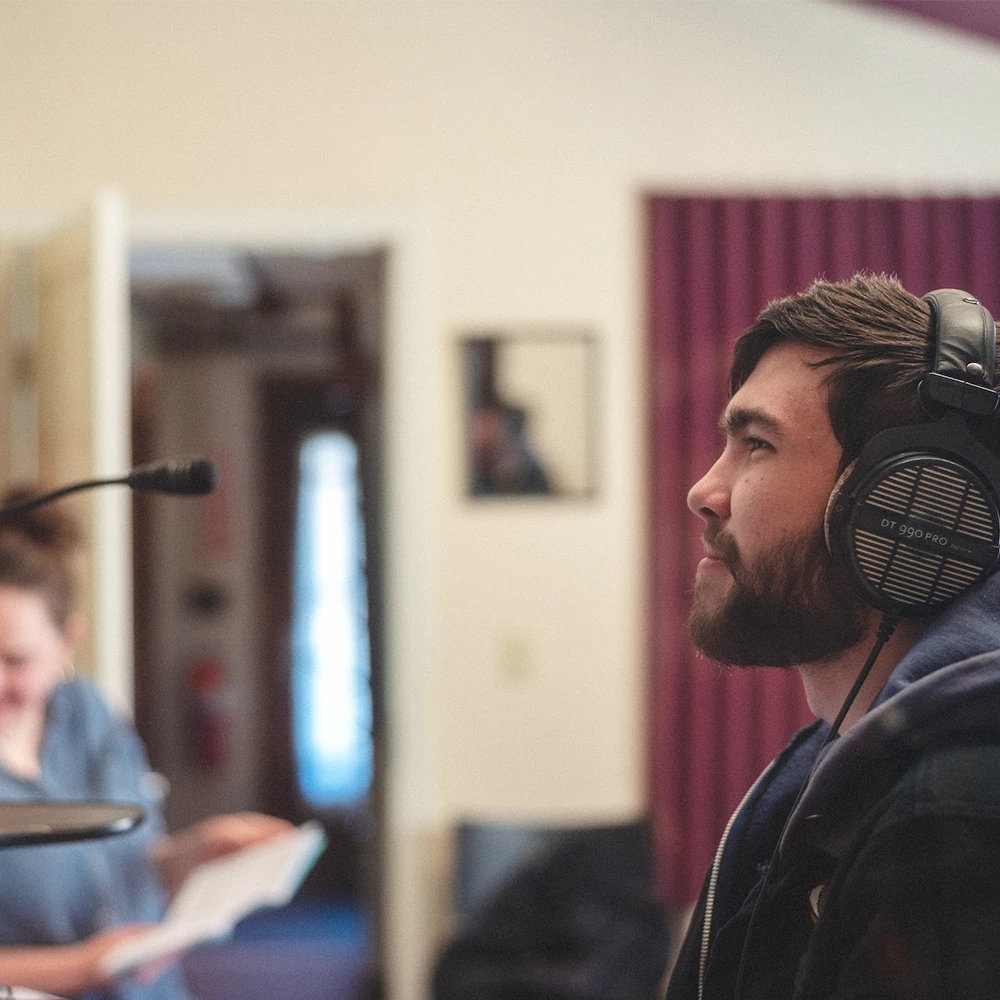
(714, 263)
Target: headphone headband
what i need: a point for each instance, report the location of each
(964, 353)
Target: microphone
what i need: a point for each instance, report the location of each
(190, 477)
(179, 477)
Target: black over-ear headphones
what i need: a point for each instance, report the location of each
(915, 520)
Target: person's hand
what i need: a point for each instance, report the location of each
(67, 970)
(221, 835)
(88, 955)
(176, 855)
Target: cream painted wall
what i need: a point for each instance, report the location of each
(526, 135)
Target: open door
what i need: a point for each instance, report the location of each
(81, 375)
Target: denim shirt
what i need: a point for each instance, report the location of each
(62, 893)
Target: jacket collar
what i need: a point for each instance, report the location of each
(946, 687)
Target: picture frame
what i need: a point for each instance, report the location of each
(530, 404)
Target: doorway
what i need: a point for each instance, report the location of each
(245, 357)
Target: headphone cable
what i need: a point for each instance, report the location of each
(885, 629)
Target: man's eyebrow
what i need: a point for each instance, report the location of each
(739, 418)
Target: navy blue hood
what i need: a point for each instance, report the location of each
(944, 690)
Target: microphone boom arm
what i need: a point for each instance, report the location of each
(180, 477)
(8, 513)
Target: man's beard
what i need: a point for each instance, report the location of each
(790, 607)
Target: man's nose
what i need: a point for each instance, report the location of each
(709, 497)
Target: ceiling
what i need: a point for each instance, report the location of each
(977, 17)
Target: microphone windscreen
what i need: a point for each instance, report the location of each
(182, 476)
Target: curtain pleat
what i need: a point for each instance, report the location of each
(713, 264)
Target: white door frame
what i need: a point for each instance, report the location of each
(414, 383)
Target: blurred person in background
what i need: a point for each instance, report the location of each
(64, 907)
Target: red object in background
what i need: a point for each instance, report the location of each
(206, 698)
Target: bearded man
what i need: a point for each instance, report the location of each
(865, 861)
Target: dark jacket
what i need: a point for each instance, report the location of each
(887, 880)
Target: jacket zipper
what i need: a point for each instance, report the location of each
(706, 927)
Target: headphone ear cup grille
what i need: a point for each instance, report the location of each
(922, 530)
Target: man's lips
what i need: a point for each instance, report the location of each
(719, 552)
(711, 561)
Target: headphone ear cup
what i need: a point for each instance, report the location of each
(912, 525)
(914, 522)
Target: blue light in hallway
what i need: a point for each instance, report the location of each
(331, 693)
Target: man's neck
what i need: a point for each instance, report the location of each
(827, 684)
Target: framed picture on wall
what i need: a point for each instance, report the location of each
(530, 410)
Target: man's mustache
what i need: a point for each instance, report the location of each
(715, 538)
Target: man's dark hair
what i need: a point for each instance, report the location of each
(879, 339)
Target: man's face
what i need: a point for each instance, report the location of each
(767, 593)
